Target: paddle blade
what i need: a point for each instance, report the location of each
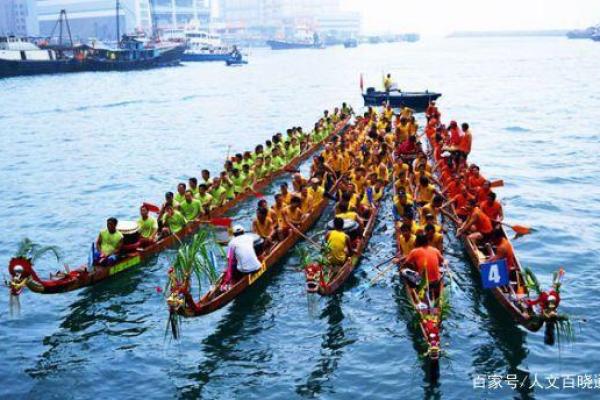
(151, 207)
(222, 222)
(521, 230)
(497, 183)
(258, 195)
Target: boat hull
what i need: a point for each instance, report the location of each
(284, 45)
(12, 68)
(192, 57)
(418, 101)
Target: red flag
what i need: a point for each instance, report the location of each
(151, 207)
(223, 221)
(361, 83)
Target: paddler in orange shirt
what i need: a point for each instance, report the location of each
(504, 250)
(492, 208)
(426, 260)
(478, 223)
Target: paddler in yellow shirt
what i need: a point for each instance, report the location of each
(338, 243)
(109, 243)
(316, 191)
(306, 199)
(405, 239)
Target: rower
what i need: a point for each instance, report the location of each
(217, 193)
(205, 198)
(425, 191)
(338, 243)
(180, 195)
(316, 191)
(464, 147)
(292, 215)
(249, 177)
(405, 240)
(478, 223)
(434, 238)
(504, 250)
(298, 182)
(108, 243)
(193, 184)
(483, 192)
(241, 248)
(492, 208)
(205, 175)
(306, 199)
(344, 213)
(237, 161)
(173, 221)
(403, 202)
(259, 169)
(169, 201)
(264, 226)
(238, 181)
(190, 208)
(426, 260)
(286, 196)
(147, 228)
(277, 159)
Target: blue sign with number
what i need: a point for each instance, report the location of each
(494, 274)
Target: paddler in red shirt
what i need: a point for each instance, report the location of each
(474, 178)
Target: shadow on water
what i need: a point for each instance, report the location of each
(405, 313)
(333, 342)
(506, 337)
(98, 310)
(240, 324)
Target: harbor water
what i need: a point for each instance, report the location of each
(76, 149)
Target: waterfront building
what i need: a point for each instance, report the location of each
(18, 17)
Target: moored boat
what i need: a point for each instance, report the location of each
(22, 270)
(418, 101)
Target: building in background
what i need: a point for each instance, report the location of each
(265, 19)
(18, 17)
(97, 18)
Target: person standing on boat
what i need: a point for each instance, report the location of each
(387, 82)
(241, 249)
(108, 244)
(147, 228)
(338, 243)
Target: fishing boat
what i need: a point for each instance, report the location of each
(203, 46)
(300, 40)
(418, 101)
(19, 56)
(350, 43)
(181, 302)
(21, 269)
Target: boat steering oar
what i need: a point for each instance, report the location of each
(385, 271)
(305, 237)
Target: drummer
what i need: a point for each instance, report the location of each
(147, 228)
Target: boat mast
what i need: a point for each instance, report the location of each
(118, 5)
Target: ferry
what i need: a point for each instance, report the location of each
(205, 46)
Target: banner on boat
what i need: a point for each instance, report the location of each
(494, 274)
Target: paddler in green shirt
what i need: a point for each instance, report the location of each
(109, 242)
(206, 179)
(193, 184)
(260, 172)
(258, 152)
(190, 208)
(268, 165)
(218, 193)
(237, 162)
(205, 199)
(180, 195)
(228, 185)
(294, 150)
(277, 160)
(172, 221)
(249, 177)
(238, 181)
(147, 228)
(286, 152)
(269, 148)
(247, 159)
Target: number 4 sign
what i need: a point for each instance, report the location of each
(494, 274)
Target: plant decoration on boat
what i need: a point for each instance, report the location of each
(196, 258)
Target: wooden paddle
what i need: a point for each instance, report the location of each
(385, 271)
(518, 229)
(305, 237)
(497, 183)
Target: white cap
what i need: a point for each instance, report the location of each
(238, 229)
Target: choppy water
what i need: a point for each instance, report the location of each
(76, 149)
